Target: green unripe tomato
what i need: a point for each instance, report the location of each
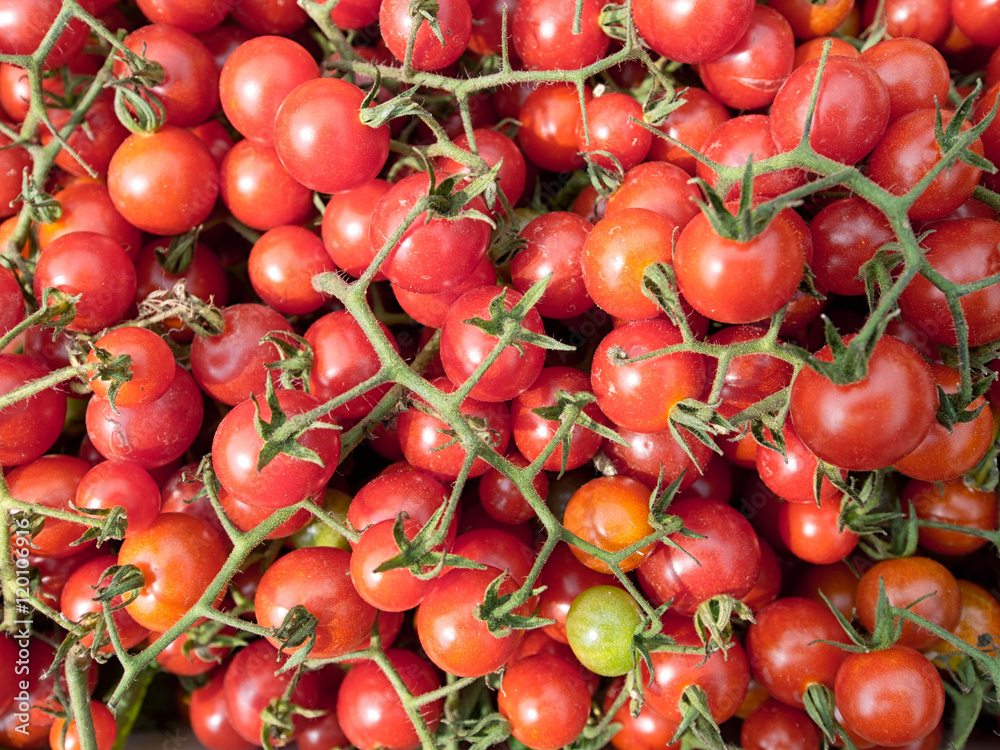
(318, 534)
(599, 627)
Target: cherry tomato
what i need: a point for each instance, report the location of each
(173, 542)
(105, 730)
(317, 578)
(321, 140)
(812, 533)
(369, 710)
(599, 628)
(610, 513)
(546, 701)
(454, 18)
(692, 32)
(906, 580)
(152, 365)
(77, 601)
(209, 722)
(891, 697)
(28, 428)
(544, 38)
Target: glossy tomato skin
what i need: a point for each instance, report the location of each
(846, 234)
(124, 484)
(692, 32)
(749, 73)
(565, 577)
(451, 634)
(29, 427)
(532, 433)
(724, 677)
(370, 712)
(164, 182)
(230, 367)
(152, 365)
(890, 697)
(850, 94)
(659, 186)
(547, 135)
(599, 628)
(555, 244)
(783, 649)
(647, 731)
(908, 151)
(546, 701)
(728, 559)
(648, 454)
(640, 395)
(334, 374)
(423, 443)
(285, 480)
(808, 20)
(454, 18)
(319, 579)
(954, 502)
(615, 255)
(345, 227)
(465, 346)
(259, 191)
(431, 256)
(257, 77)
(189, 91)
(282, 265)
(152, 434)
(775, 725)
(961, 250)
(50, 481)
(915, 73)
(494, 147)
(77, 263)
(906, 580)
(792, 476)
(542, 32)
(414, 493)
(175, 541)
(812, 533)
(321, 140)
(209, 722)
(611, 129)
(395, 590)
(250, 684)
(691, 124)
(77, 601)
(105, 730)
(707, 265)
(871, 423)
(945, 455)
(610, 513)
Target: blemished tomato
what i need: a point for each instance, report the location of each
(599, 628)
(174, 541)
(319, 579)
(891, 697)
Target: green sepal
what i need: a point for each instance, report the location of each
(275, 442)
(126, 581)
(115, 369)
(494, 611)
(296, 631)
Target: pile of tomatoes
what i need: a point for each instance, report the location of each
(451, 373)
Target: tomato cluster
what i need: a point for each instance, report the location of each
(424, 373)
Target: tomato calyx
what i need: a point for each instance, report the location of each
(502, 321)
(420, 555)
(281, 435)
(821, 708)
(115, 369)
(277, 726)
(204, 318)
(568, 411)
(954, 142)
(297, 629)
(177, 256)
(659, 284)
(113, 525)
(697, 719)
(295, 359)
(713, 621)
(498, 611)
